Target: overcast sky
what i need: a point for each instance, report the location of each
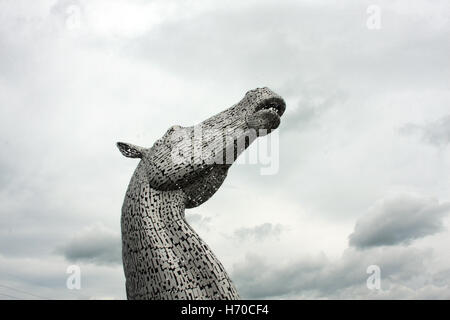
(364, 144)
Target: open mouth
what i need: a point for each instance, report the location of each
(267, 115)
(274, 105)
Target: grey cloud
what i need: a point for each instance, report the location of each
(399, 219)
(403, 275)
(95, 244)
(255, 278)
(435, 133)
(299, 47)
(6, 172)
(198, 221)
(313, 102)
(60, 8)
(63, 106)
(197, 218)
(259, 232)
(442, 277)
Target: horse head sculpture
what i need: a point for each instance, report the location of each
(163, 256)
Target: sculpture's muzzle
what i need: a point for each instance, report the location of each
(267, 114)
(184, 154)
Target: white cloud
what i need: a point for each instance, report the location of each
(45, 277)
(260, 232)
(435, 133)
(135, 68)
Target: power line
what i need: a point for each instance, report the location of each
(7, 295)
(79, 296)
(25, 292)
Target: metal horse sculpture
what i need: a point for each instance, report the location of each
(163, 256)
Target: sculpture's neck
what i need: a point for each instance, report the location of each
(164, 206)
(158, 200)
(164, 258)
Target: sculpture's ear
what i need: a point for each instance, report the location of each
(130, 150)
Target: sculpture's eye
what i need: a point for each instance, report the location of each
(169, 135)
(173, 128)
